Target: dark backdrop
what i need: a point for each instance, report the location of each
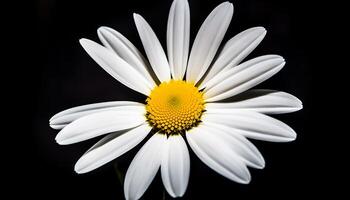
(65, 76)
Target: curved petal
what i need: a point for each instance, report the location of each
(175, 167)
(100, 123)
(217, 154)
(245, 149)
(99, 154)
(242, 77)
(235, 50)
(208, 41)
(153, 48)
(178, 37)
(117, 67)
(144, 167)
(116, 42)
(63, 118)
(252, 125)
(259, 100)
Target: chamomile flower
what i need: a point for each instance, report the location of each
(184, 92)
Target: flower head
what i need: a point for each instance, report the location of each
(186, 104)
(174, 107)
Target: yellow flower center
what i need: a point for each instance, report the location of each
(174, 106)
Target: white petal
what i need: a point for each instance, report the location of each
(62, 119)
(109, 148)
(116, 42)
(217, 154)
(100, 123)
(175, 167)
(178, 37)
(253, 125)
(57, 126)
(235, 50)
(259, 100)
(117, 67)
(208, 41)
(245, 149)
(144, 167)
(153, 48)
(242, 77)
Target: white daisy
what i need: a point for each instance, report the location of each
(183, 92)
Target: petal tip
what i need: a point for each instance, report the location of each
(60, 140)
(181, 2)
(50, 120)
(291, 137)
(283, 62)
(280, 58)
(245, 180)
(229, 6)
(226, 5)
(136, 16)
(280, 62)
(78, 168)
(178, 195)
(102, 29)
(294, 137)
(280, 66)
(299, 102)
(52, 125)
(261, 165)
(103, 32)
(262, 30)
(84, 42)
(299, 106)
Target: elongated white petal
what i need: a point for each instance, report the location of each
(217, 154)
(62, 119)
(144, 167)
(57, 126)
(116, 42)
(99, 154)
(178, 37)
(100, 123)
(245, 149)
(235, 50)
(153, 48)
(242, 77)
(208, 41)
(253, 125)
(259, 100)
(117, 67)
(175, 167)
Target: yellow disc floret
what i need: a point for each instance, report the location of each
(174, 106)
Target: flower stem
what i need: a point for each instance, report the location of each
(119, 173)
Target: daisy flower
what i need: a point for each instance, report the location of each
(184, 101)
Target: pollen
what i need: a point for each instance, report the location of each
(174, 107)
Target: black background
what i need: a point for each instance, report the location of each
(65, 76)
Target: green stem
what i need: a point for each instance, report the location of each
(120, 174)
(164, 195)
